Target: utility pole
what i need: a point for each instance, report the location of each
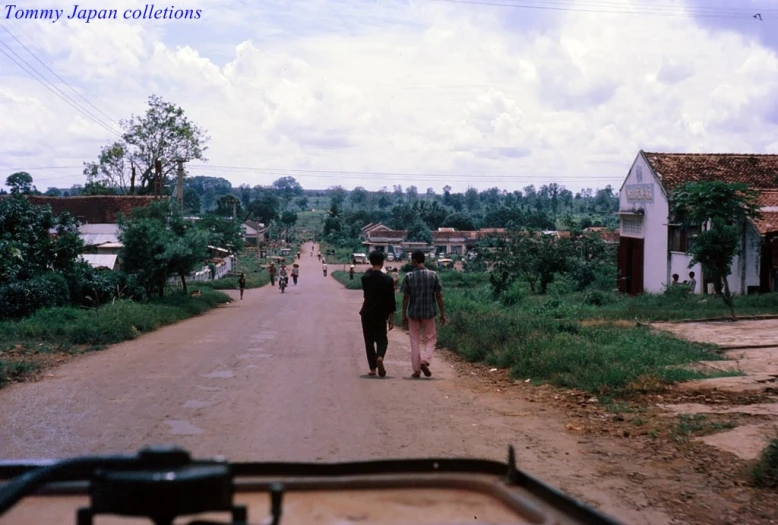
(180, 185)
(234, 207)
(157, 179)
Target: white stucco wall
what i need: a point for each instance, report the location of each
(679, 263)
(655, 259)
(745, 267)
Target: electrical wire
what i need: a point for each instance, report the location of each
(56, 75)
(54, 89)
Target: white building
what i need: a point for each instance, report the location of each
(652, 248)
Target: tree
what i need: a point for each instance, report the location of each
(228, 205)
(359, 197)
(164, 133)
(222, 232)
(461, 221)
(289, 218)
(36, 268)
(419, 232)
(20, 182)
(337, 194)
(98, 187)
(721, 210)
(532, 255)
(264, 208)
(157, 243)
(287, 188)
(191, 201)
(53, 192)
(26, 248)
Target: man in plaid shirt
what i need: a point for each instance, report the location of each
(421, 289)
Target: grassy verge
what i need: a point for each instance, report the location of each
(605, 359)
(343, 278)
(73, 330)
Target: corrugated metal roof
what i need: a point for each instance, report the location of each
(100, 260)
(104, 228)
(98, 238)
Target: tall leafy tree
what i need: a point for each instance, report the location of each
(20, 182)
(721, 210)
(163, 133)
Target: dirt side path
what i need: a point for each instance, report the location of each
(283, 377)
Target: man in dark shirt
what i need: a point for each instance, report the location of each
(377, 310)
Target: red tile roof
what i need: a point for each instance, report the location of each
(768, 223)
(768, 198)
(95, 208)
(673, 169)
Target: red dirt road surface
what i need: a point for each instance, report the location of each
(283, 377)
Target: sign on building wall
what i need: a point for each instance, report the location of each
(639, 192)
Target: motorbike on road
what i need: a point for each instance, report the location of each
(282, 282)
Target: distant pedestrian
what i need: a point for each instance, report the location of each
(421, 289)
(351, 273)
(295, 272)
(324, 267)
(272, 270)
(242, 284)
(377, 313)
(396, 279)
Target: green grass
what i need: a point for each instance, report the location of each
(543, 339)
(765, 472)
(59, 329)
(13, 370)
(256, 275)
(343, 278)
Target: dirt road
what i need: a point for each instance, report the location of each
(283, 377)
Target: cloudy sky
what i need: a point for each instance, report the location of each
(381, 92)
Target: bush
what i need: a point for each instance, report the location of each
(23, 298)
(113, 323)
(93, 287)
(513, 295)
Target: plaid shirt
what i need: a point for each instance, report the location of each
(421, 285)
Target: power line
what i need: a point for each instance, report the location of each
(35, 74)
(56, 75)
(594, 8)
(392, 176)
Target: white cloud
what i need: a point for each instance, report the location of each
(477, 94)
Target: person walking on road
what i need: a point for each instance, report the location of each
(421, 289)
(272, 270)
(324, 267)
(242, 284)
(377, 313)
(295, 272)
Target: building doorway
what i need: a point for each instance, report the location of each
(630, 264)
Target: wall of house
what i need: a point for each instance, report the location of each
(745, 267)
(654, 234)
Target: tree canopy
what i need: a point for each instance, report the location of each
(163, 133)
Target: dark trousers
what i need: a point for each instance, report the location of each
(376, 340)
(294, 277)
